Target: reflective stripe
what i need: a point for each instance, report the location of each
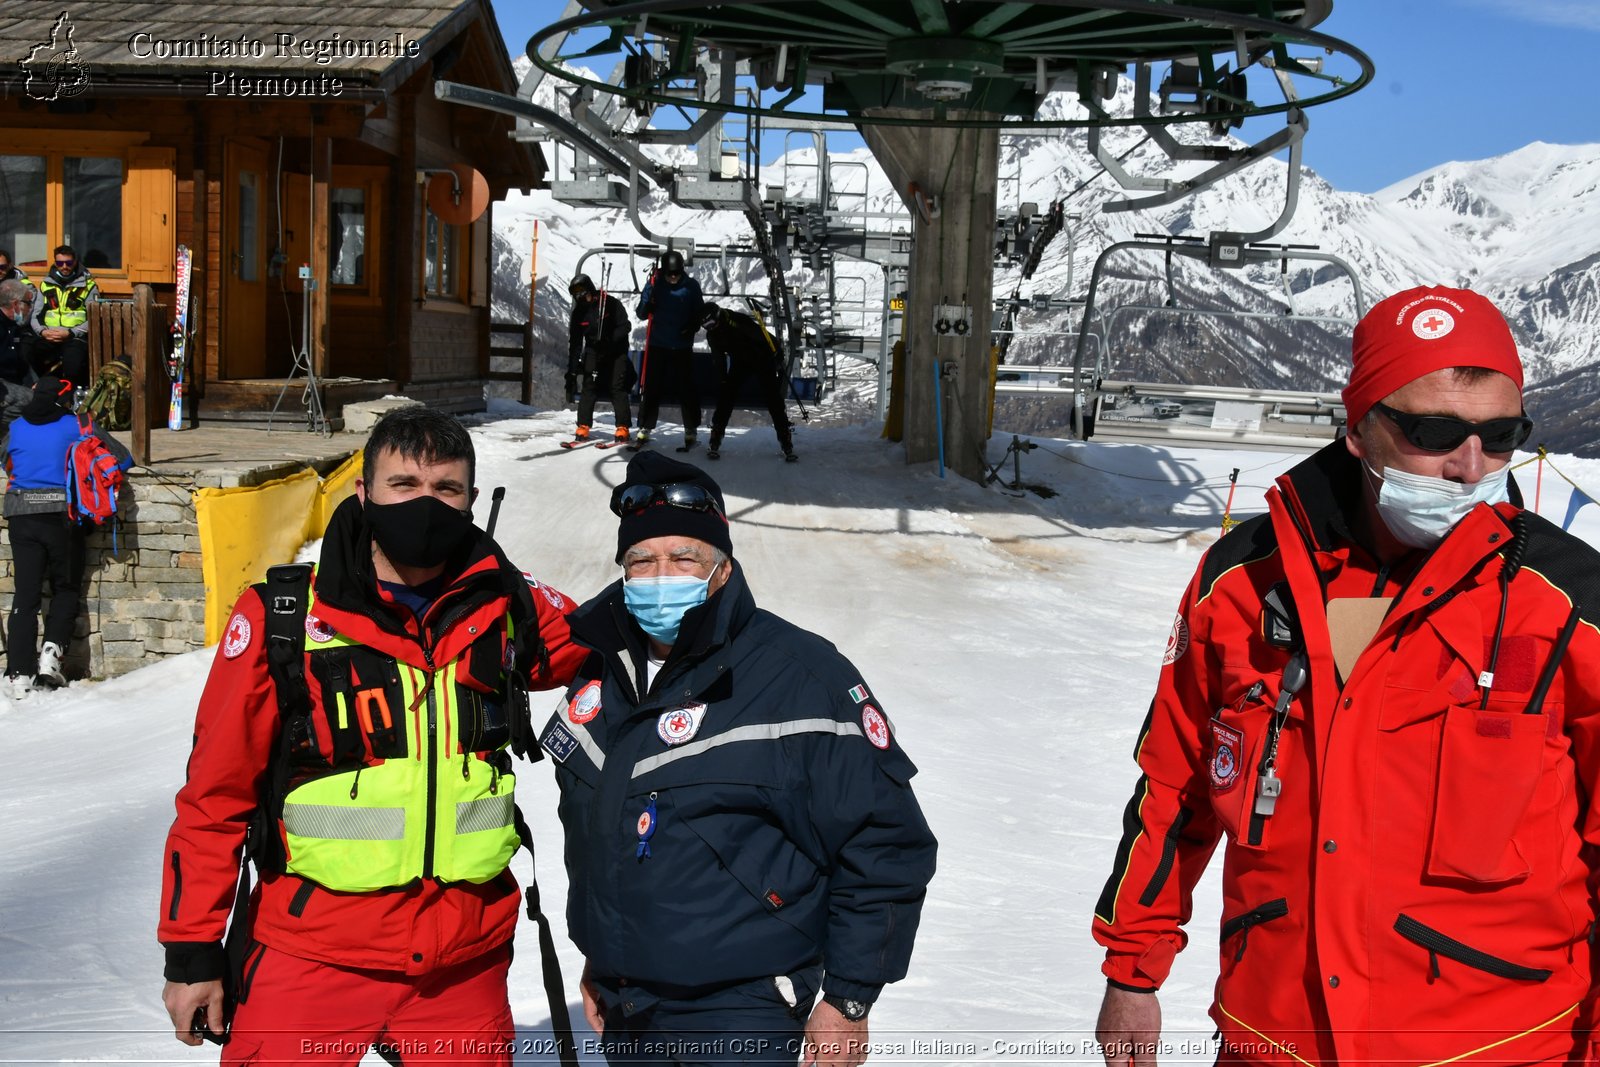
(585, 741)
(771, 731)
(334, 822)
(485, 813)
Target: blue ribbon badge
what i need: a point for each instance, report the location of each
(647, 829)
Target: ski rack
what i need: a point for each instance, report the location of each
(1203, 413)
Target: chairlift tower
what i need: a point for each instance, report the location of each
(931, 84)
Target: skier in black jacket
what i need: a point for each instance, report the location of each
(740, 348)
(597, 352)
(741, 832)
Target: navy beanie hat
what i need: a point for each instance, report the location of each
(662, 519)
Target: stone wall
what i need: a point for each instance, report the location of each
(144, 595)
(144, 599)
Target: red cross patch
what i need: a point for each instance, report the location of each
(237, 637)
(1433, 324)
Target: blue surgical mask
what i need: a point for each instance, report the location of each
(20, 316)
(658, 605)
(1420, 510)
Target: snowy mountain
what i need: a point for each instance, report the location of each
(1524, 229)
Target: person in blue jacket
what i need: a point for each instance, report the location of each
(741, 834)
(672, 306)
(46, 541)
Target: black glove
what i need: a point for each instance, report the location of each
(572, 384)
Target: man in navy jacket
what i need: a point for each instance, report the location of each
(740, 828)
(671, 305)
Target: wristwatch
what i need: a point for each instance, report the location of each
(854, 1010)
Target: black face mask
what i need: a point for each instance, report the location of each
(421, 532)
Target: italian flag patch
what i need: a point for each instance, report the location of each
(859, 693)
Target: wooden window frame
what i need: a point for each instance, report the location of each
(55, 147)
(373, 181)
(457, 299)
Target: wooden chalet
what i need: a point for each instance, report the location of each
(268, 137)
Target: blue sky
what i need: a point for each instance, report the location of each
(1456, 80)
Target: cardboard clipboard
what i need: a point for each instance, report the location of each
(1352, 624)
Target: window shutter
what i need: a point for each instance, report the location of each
(150, 211)
(478, 249)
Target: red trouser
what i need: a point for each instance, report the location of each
(302, 1011)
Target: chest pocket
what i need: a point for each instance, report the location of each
(732, 797)
(483, 704)
(1491, 763)
(1486, 765)
(1237, 738)
(359, 707)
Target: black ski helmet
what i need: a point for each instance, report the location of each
(672, 262)
(580, 285)
(708, 314)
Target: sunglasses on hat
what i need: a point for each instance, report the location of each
(1446, 433)
(636, 498)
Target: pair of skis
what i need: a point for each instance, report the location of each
(177, 363)
(599, 443)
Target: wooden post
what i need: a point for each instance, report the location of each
(144, 338)
(321, 208)
(527, 335)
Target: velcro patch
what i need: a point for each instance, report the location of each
(1493, 726)
(559, 742)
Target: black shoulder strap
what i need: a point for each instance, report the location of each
(554, 990)
(284, 595)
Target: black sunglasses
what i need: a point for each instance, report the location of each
(1445, 433)
(66, 262)
(636, 498)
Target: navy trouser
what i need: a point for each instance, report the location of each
(43, 546)
(752, 1024)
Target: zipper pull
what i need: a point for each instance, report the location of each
(355, 785)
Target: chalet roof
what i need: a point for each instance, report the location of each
(367, 43)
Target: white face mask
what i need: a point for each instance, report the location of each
(1420, 510)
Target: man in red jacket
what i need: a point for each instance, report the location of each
(1385, 693)
(381, 774)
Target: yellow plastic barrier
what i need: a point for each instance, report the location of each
(335, 487)
(246, 529)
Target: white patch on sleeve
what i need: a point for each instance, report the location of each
(1177, 641)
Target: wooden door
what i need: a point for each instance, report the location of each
(245, 248)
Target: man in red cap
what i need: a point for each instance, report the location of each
(1385, 694)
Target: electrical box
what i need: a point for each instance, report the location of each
(952, 319)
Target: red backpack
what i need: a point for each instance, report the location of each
(94, 477)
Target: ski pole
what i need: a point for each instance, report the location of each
(494, 508)
(1228, 522)
(1538, 481)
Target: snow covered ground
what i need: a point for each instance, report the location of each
(1014, 640)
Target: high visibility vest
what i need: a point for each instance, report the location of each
(65, 305)
(400, 801)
